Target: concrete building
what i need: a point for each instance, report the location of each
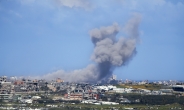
(5, 97)
(178, 88)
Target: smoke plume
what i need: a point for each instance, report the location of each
(109, 52)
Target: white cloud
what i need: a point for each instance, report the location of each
(27, 1)
(85, 4)
(16, 14)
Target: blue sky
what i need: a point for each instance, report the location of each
(38, 37)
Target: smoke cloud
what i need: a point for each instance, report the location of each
(109, 52)
(88, 74)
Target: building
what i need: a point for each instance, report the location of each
(58, 80)
(5, 97)
(74, 96)
(18, 83)
(3, 78)
(178, 88)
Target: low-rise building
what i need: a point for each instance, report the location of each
(5, 97)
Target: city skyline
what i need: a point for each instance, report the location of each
(42, 37)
